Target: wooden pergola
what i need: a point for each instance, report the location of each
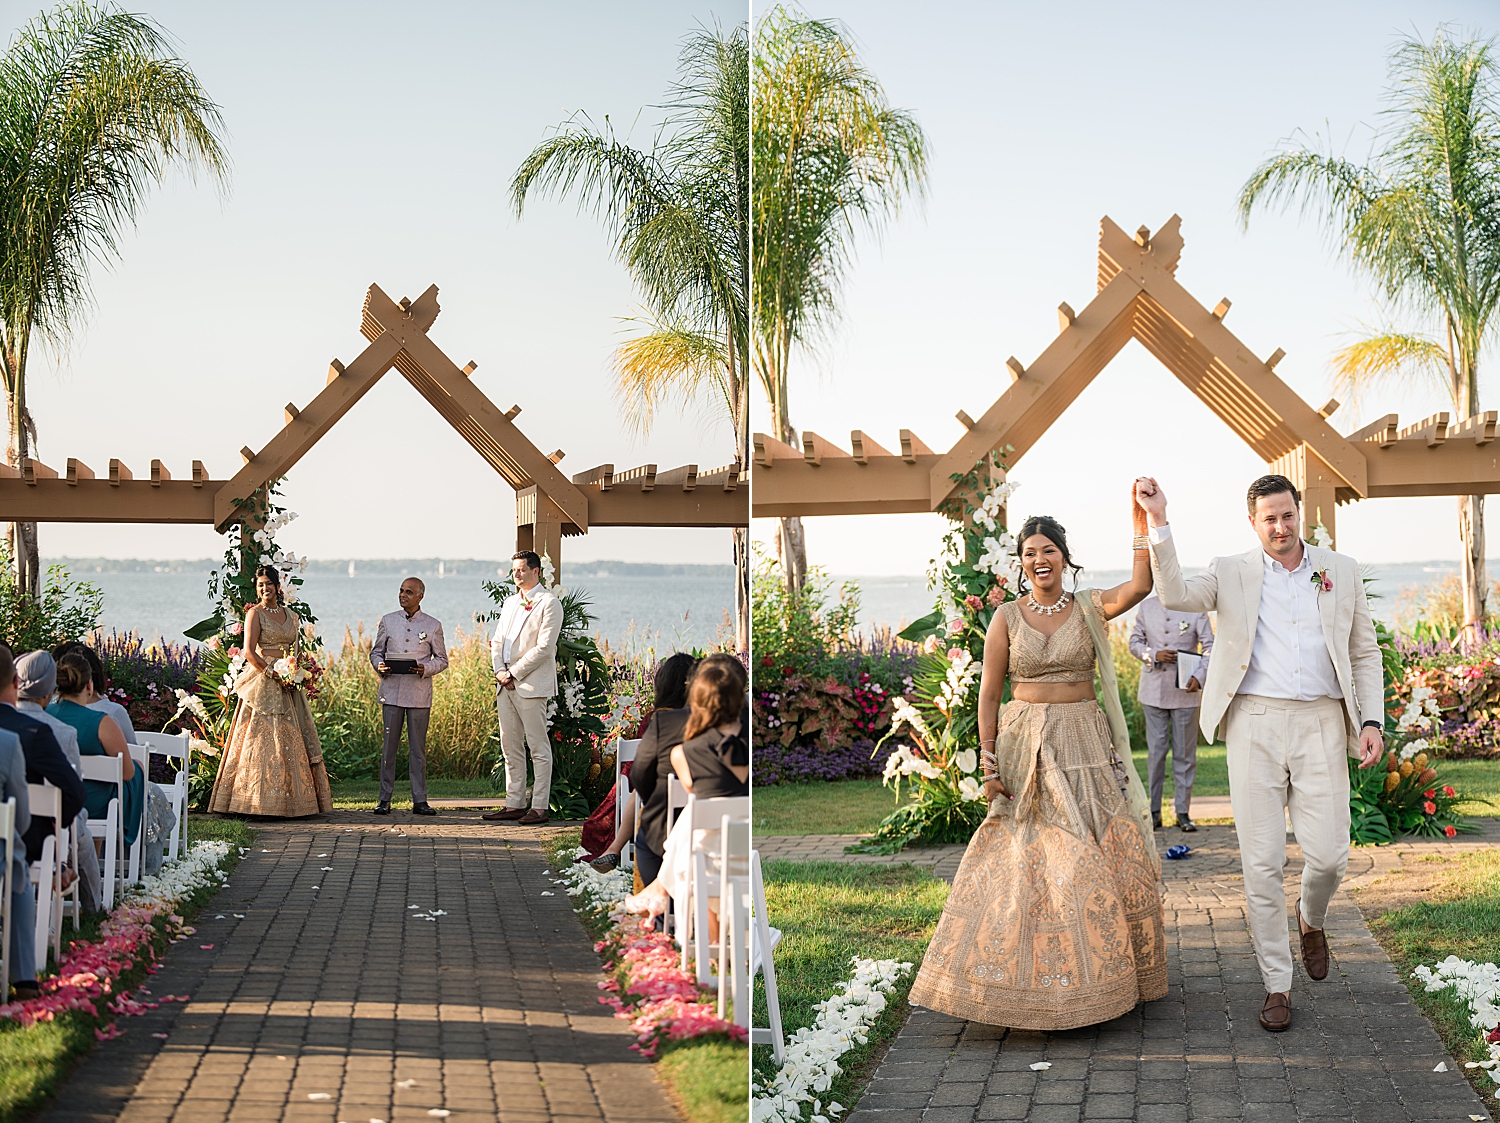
(1139, 298)
(549, 505)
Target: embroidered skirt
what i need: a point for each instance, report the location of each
(1055, 917)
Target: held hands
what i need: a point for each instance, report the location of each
(1150, 498)
(1371, 747)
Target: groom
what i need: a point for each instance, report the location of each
(523, 652)
(1296, 684)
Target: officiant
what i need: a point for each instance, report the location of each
(408, 651)
(1173, 649)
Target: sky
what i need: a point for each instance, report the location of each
(375, 142)
(1038, 127)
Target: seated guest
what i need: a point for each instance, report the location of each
(45, 761)
(22, 901)
(96, 671)
(648, 777)
(670, 683)
(713, 762)
(36, 682)
(98, 735)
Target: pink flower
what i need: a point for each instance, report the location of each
(955, 654)
(996, 596)
(236, 628)
(973, 602)
(1429, 807)
(956, 627)
(1449, 792)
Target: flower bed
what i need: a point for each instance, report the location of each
(812, 1053)
(88, 976)
(647, 988)
(1478, 984)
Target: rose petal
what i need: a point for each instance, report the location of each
(206, 947)
(1442, 1066)
(406, 1083)
(319, 1096)
(1040, 1065)
(439, 1112)
(159, 1036)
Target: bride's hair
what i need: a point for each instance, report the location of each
(1053, 531)
(273, 575)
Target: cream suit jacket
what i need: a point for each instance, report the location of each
(1232, 588)
(533, 653)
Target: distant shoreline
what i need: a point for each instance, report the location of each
(414, 567)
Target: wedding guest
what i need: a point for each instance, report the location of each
(713, 762)
(102, 703)
(22, 903)
(98, 735)
(36, 682)
(44, 756)
(1159, 635)
(648, 778)
(670, 685)
(413, 637)
(523, 652)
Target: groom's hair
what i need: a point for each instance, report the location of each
(1270, 485)
(529, 557)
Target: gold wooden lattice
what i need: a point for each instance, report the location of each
(1139, 298)
(549, 505)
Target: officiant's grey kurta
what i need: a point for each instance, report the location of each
(407, 699)
(1171, 712)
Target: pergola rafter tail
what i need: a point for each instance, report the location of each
(1140, 298)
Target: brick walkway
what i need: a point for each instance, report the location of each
(331, 984)
(1359, 1048)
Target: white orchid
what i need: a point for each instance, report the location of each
(905, 712)
(966, 759)
(969, 788)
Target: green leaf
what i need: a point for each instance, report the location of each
(921, 628)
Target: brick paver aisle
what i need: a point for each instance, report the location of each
(1359, 1048)
(333, 984)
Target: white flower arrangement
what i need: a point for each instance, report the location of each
(189, 703)
(812, 1053)
(199, 868)
(963, 673)
(1420, 713)
(1478, 984)
(1320, 536)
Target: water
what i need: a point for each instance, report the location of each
(665, 613)
(897, 601)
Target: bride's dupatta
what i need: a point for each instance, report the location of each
(1109, 689)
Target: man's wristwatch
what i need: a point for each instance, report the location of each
(1371, 725)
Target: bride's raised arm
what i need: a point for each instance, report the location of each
(1123, 597)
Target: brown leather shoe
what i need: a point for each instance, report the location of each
(1276, 1014)
(1314, 949)
(532, 818)
(504, 814)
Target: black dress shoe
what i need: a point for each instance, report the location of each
(423, 808)
(1186, 824)
(382, 808)
(1156, 822)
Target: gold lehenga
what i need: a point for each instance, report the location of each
(1055, 918)
(273, 764)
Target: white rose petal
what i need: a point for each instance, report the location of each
(319, 1096)
(1040, 1066)
(1442, 1066)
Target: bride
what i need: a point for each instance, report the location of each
(1055, 918)
(273, 764)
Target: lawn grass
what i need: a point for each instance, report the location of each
(35, 1060)
(828, 913)
(363, 794)
(1451, 907)
(708, 1078)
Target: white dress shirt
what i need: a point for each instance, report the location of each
(1289, 658)
(512, 620)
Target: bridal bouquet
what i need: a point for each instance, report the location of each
(296, 672)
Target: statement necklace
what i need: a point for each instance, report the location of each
(1047, 609)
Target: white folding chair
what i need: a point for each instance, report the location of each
(763, 941)
(625, 754)
(141, 756)
(110, 829)
(677, 799)
(46, 873)
(8, 831)
(734, 918)
(176, 748)
(702, 826)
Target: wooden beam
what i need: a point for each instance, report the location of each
(726, 478)
(512, 413)
(118, 472)
(601, 476)
(1330, 409)
(815, 448)
(78, 470)
(1017, 371)
(964, 419)
(290, 413)
(1276, 357)
(33, 470)
(469, 368)
(556, 455)
(200, 473)
(1065, 316)
(704, 506)
(1410, 468)
(881, 485)
(159, 473)
(1481, 426)
(1433, 430)
(1381, 431)
(686, 477)
(768, 450)
(88, 500)
(1221, 309)
(335, 371)
(864, 447)
(912, 447)
(644, 476)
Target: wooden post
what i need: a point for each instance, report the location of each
(539, 527)
(1318, 483)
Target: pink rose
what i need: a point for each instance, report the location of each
(955, 654)
(233, 651)
(236, 628)
(956, 627)
(973, 602)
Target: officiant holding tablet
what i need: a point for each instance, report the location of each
(1173, 649)
(408, 651)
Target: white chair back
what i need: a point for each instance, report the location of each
(763, 941)
(177, 748)
(46, 803)
(625, 754)
(677, 799)
(110, 829)
(8, 832)
(703, 826)
(734, 918)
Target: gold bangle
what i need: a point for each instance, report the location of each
(1140, 542)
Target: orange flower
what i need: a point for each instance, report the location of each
(1429, 793)
(1429, 807)
(1447, 791)
(1451, 832)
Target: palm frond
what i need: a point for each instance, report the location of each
(1386, 356)
(668, 364)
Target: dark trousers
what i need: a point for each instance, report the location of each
(647, 860)
(416, 744)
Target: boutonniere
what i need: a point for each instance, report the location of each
(526, 602)
(421, 635)
(1321, 581)
(1182, 626)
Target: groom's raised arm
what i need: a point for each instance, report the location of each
(1191, 594)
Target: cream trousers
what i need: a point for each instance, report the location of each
(523, 725)
(1287, 756)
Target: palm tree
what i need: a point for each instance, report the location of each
(94, 110)
(1421, 220)
(679, 216)
(831, 157)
